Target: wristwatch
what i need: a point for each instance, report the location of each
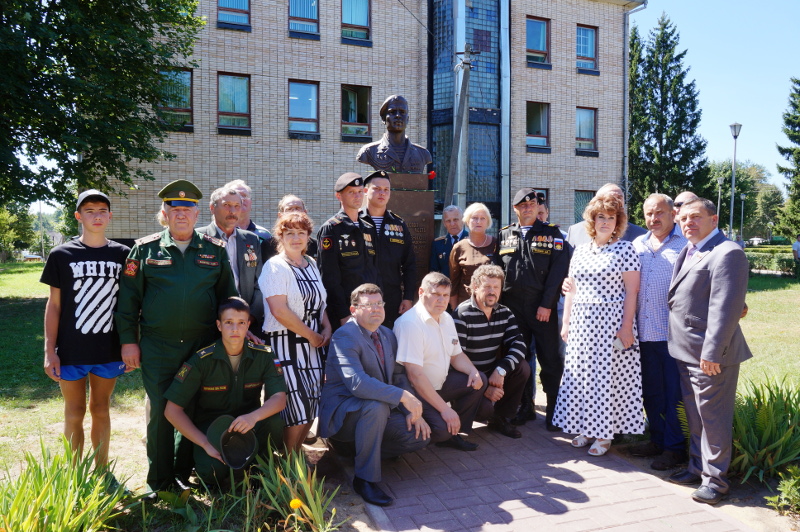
(500, 371)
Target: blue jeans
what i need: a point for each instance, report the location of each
(661, 392)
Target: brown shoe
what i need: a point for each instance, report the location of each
(645, 450)
(668, 460)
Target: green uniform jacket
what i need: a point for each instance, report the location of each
(208, 377)
(177, 293)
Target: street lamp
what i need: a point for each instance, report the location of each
(736, 127)
(741, 223)
(720, 180)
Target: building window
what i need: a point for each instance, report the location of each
(234, 102)
(587, 47)
(303, 106)
(304, 16)
(355, 110)
(178, 100)
(355, 19)
(538, 37)
(585, 129)
(582, 199)
(537, 120)
(234, 12)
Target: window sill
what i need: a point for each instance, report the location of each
(188, 128)
(304, 136)
(587, 153)
(235, 27)
(588, 71)
(302, 35)
(540, 66)
(537, 149)
(357, 138)
(357, 42)
(240, 132)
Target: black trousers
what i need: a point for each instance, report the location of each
(545, 335)
(465, 400)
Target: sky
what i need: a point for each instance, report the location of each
(740, 55)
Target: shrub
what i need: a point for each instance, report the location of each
(58, 493)
(781, 262)
(788, 499)
(766, 429)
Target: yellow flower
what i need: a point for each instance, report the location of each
(295, 504)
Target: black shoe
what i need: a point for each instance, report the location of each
(183, 484)
(668, 460)
(708, 495)
(552, 428)
(457, 442)
(371, 492)
(501, 425)
(151, 497)
(684, 478)
(311, 439)
(524, 415)
(645, 450)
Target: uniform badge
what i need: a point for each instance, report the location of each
(182, 194)
(327, 243)
(558, 244)
(131, 267)
(183, 372)
(278, 366)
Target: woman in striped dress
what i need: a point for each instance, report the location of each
(296, 323)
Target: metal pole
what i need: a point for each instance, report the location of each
(456, 151)
(719, 193)
(733, 185)
(741, 223)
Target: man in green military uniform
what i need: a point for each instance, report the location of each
(226, 378)
(169, 291)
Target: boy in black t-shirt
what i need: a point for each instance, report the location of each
(80, 339)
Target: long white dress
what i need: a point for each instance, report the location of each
(601, 389)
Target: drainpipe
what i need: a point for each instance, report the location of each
(505, 112)
(626, 96)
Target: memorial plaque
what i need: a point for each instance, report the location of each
(412, 201)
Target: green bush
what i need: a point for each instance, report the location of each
(787, 501)
(766, 429)
(58, 493)
(780, 262)
(764, 248)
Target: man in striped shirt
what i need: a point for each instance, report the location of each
(489, 335)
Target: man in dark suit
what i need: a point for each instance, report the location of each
(442, 246)
(243, 247)
(706, 298)
(362, 395)
(577, 235)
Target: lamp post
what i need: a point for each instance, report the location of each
(720, 180)
(769, 232)
(735, 129)
(741, 223)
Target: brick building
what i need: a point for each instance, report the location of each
(285, 93)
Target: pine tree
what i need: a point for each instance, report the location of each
(637, 115)
(670, 154)
(789, 221)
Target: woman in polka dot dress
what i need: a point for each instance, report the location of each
(601, 390)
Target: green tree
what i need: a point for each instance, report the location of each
(789, 221)
(81, 88)
(23, 225)
(769, 203)
(667, 154)
(7, 234)
(750, 177)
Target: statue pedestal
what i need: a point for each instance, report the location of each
(412, 201)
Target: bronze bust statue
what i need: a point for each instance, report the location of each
(394, 152)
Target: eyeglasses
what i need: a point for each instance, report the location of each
(372, 306)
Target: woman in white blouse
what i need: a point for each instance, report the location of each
(295, 323)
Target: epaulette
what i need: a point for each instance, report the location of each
(207, 350)
(333, 221)
(395, 215)
(149, 238)
(550, 224)
(216, 241)
(506, 227)
(259, 347)
(440, 238)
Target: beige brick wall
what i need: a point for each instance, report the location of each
(268, 160)
(561, 171)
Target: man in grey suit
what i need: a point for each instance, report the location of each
(362, 395)
(706, 298)
(576, 234)
(243, 247)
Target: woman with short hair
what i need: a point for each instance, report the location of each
(471, 252)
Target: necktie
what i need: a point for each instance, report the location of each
(377, 341)
(691, 252)
(455, 239)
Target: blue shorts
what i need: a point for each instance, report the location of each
(111, 370)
